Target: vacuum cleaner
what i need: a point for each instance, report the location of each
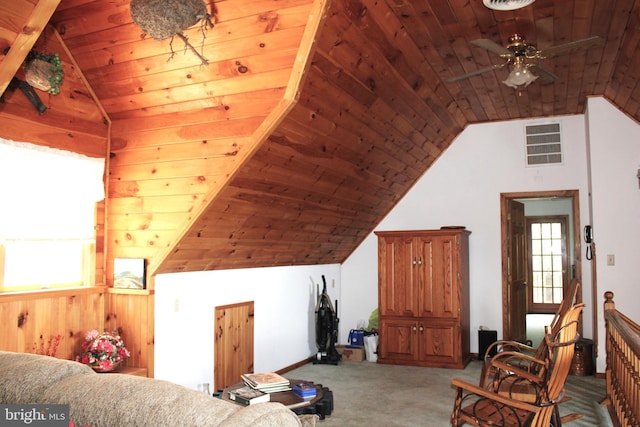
(326, 328)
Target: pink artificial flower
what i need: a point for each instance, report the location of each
(91, 335)
(105, 364)
(105, 346)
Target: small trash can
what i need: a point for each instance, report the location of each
(485, 339)
(582, 364)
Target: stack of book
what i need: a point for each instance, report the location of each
(304, 389)
(267, 382)
(248, 396)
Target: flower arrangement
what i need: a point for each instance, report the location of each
(103, 352)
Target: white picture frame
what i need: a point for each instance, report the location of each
(129, 273)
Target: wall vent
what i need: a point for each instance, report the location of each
(543, 144)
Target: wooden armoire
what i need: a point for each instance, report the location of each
(423, 297)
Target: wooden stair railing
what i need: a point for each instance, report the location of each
(623, 365)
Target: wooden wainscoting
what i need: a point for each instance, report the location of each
(29, 320)
(131, 313)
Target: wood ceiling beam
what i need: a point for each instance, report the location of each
(25, 40)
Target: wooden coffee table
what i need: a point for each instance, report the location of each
(321, 404)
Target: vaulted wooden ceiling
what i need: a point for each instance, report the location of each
(312, 119)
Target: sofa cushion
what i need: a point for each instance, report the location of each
(25, 377)
(107, 400)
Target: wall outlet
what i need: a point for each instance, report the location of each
(176, 305)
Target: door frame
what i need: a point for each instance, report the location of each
(504, 238)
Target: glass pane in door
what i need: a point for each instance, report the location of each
(546, 262)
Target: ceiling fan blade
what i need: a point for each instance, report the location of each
(545, 75)
(475, 73)
(574, 45)
(492, 46)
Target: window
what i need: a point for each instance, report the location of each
(47, 219)
(547, 263)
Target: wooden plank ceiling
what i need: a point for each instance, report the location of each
(313, 118)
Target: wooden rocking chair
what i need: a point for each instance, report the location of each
(500, 402)
(506, 350)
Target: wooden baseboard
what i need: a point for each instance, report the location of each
(294, 366)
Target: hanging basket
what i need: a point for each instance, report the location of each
(112, 368)
(39, 73)
(162, 19)
(44, 71)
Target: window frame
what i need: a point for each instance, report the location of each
(546, 308)
(78, 202)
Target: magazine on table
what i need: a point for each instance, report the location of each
(268, 382)
(248, 395)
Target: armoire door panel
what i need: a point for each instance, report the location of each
(398, 340)
(438, 297)
(405, 269)
(425, 276)
(398, 298)
(385, 264)
(446, 289)
(439, 342)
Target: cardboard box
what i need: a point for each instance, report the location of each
(351, 353)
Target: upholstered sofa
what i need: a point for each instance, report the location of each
(112, 399)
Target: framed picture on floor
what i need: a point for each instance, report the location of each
(129, 273)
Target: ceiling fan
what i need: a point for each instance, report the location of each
(518, 53)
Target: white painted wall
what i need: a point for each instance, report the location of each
(284, 327)
(462, 188)
(615, 160)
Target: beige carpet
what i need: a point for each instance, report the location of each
(371, 394)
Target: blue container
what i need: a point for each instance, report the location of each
(356, 337)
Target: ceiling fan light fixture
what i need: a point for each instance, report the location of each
(507, 4)
(519, 76)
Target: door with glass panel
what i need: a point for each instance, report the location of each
(548, 272)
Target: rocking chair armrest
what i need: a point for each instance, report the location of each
(478, 391)
(490, 364)
(506, 356)
(537, 379)
(506, 344)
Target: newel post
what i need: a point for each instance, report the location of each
(609, 305)
(608, 301)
